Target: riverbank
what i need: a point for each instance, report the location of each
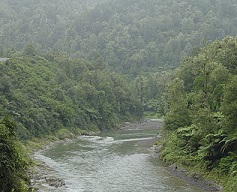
(190, 178)
(44, 177)
(194, 179)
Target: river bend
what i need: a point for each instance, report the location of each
(118, 161)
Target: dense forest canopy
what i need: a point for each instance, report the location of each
(131, 36)
(201, 112)
(45, 93)
(141, 38)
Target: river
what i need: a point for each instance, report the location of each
(116, 161)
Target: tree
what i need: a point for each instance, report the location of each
(229, 106)
(177, 113)
(204, 86)
(29, 50)
(12, 165)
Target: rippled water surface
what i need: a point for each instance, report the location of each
(121, 161)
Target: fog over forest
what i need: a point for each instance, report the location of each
(72, 67)
(131, 36)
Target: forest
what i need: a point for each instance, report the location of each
(47, 92)
(88, 65)
(201, 114)
(133, 36)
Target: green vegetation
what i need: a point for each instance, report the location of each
(131, 36)
(13, 163)
(200, 121)
(51, 92)
(79, 66)
(52, 97)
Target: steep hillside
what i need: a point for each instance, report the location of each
(131, 36)
(50, 92)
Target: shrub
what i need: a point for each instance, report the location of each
(13, 165)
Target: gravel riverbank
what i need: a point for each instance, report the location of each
(43, 177)
(194, 179)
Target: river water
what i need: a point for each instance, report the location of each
(118, 161)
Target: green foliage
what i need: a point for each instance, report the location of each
(131, 36)
(190, 136)
(176, 106)
(204, 90)
(151, 115)
(137, 38)
(210, 151)
(13, 165)
(63, 134)
(56, 93)
(46, 96)
(229, 144)
(231, 184)
(170, 153)
(229, 106)
(228, 164)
